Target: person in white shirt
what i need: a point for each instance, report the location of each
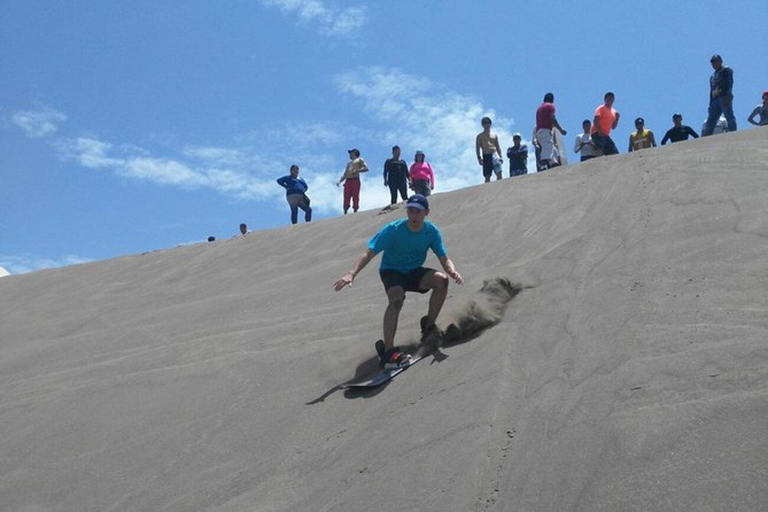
(584, 144)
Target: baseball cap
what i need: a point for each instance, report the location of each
(417, 201)
(716, 57)
(765, 93)
(639, 120)
(517, 134)
(355, 150)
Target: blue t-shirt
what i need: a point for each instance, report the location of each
(403, 249)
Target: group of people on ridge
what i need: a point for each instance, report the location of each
(405, 242)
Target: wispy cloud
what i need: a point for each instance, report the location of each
(330, 21)
(38, 124)
(420, 113)
(134, 163)
(25, 263)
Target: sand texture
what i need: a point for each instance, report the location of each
(613, 355)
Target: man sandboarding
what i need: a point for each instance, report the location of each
(405, 243)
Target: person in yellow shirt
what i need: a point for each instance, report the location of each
(641, 138)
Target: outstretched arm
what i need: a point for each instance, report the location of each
(359, 265)
(450, 269)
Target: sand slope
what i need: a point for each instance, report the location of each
(630, 374)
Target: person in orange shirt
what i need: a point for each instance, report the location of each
(606, 119)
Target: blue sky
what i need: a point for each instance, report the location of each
(134, 126)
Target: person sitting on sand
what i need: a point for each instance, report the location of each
(641, 138)
(679, 132)
(760, 110)
(405, 243)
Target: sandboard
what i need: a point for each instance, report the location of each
(560, 143)
(381, 376)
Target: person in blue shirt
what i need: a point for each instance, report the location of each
(405, 243)
(295, 194)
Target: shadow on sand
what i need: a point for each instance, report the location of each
(466, 320)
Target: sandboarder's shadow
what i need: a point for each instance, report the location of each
(364, 369)
(370, 366)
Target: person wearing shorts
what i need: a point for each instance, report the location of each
(488, 151)
(606, 119)
(405, 243)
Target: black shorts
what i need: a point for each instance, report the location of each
(488, 165)
(409, 282)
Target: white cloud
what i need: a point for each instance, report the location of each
(26, 263)
(418, 113)
(330, 21)
(38, 124)
(136, 163)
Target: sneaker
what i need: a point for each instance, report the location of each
(429, 333)
(394, 358)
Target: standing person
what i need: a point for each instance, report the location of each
(642, 138)
(762, 110)
(546, 121)
(518, 157)
(720, 96)
(488, 150)
(405, 243)
(421, 175)
(296, 194)
(606, 119)
(584, 144)
(396, 175)
(351, 179)
(679, 131)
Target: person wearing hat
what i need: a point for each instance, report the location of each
(720, 96)
(642, 138)
(351, 180)
(396, 175)
(762, 110)
(584, 144)
(421, 175)
(405, 243)
(679, 132)
(518, 156)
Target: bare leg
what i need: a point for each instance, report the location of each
(396, 296)
(438, 283)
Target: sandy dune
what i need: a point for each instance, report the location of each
(631, 372)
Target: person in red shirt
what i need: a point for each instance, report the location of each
(606, 119)
(546, 121)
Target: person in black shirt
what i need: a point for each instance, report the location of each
(720, 96)
(518, 157)
(396, 175)
(679, 131)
